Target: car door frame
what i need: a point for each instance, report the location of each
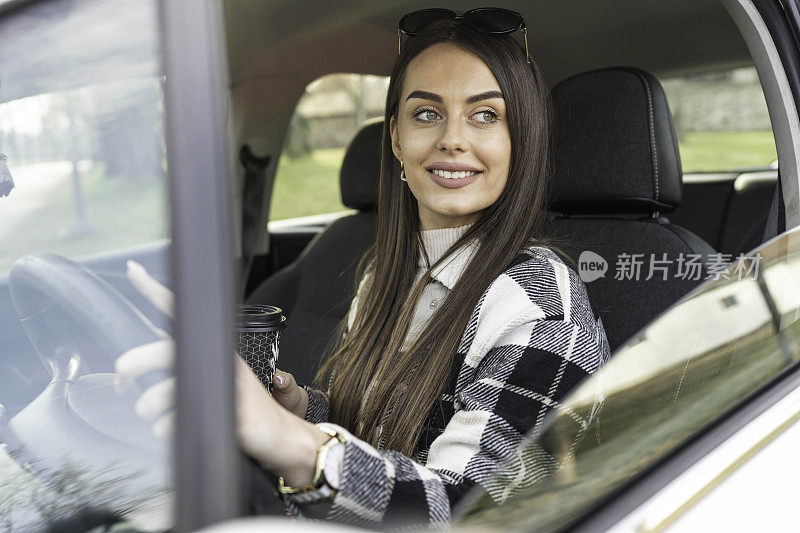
(783, 101)
(207, 462)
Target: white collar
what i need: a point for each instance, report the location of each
(436, 242)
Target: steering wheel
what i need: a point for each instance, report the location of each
(46, 287)
(79, 417)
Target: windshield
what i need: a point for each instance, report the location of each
(82, 191)
(698, 360)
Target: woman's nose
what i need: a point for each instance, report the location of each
(453, 137)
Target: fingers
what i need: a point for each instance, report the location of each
(156, 400)
(287, 393)
(164, 426)
(157, 294)
(158, 355)
(283, 381)
(284, 388)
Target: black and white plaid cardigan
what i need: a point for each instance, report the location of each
(530, 340)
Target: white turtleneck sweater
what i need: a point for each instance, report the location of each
(437, 242)
(444, 277)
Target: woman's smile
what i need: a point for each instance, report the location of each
(453, 175)
(453, 180)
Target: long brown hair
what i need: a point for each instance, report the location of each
(366, 361)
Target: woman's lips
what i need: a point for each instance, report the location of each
(453, 183)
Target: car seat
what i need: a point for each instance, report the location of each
(616, 171)
(315, 290)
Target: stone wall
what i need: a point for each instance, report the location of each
(727, 101)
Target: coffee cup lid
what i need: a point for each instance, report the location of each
(264, 317)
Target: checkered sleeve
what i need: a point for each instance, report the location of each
(522, 360)
(317, 410)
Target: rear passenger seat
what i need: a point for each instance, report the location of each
(729, 214)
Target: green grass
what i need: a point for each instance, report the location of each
(727, 150)
(307, 185)
(310, 185)
(122, 212)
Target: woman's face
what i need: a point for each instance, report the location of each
(452, 135)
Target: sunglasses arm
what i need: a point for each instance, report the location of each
(525, 38)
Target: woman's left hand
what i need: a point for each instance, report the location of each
(278, 439)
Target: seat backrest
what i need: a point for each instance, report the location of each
(616, 169)
(729, 214)
(702, 210)
(746, 214)
(315, 291)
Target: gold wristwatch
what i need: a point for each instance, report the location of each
(319, 470)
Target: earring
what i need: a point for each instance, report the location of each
(402, 171)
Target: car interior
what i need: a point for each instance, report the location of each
(617, 185)
(619, 188)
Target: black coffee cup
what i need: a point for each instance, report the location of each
(258, 330)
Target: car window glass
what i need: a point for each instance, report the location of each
(721, 121)
(327, 116)
(82, 191)
(701, 358)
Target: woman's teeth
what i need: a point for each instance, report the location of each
(452, 175)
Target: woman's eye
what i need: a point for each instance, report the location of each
(426, 115)
(485, 117)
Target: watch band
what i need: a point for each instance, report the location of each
(318, 480)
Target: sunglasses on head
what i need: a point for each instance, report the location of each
(491, 20)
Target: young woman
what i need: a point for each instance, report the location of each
(467, 328)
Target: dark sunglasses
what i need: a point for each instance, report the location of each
(491, 20)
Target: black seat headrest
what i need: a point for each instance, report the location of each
(615, 149)
(358, 178)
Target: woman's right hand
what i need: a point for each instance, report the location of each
(289, 394)
(157, 402)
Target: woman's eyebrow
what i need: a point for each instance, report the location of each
(488, 95)
(426, 95)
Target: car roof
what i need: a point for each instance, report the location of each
(309, 39)
(275, 49)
